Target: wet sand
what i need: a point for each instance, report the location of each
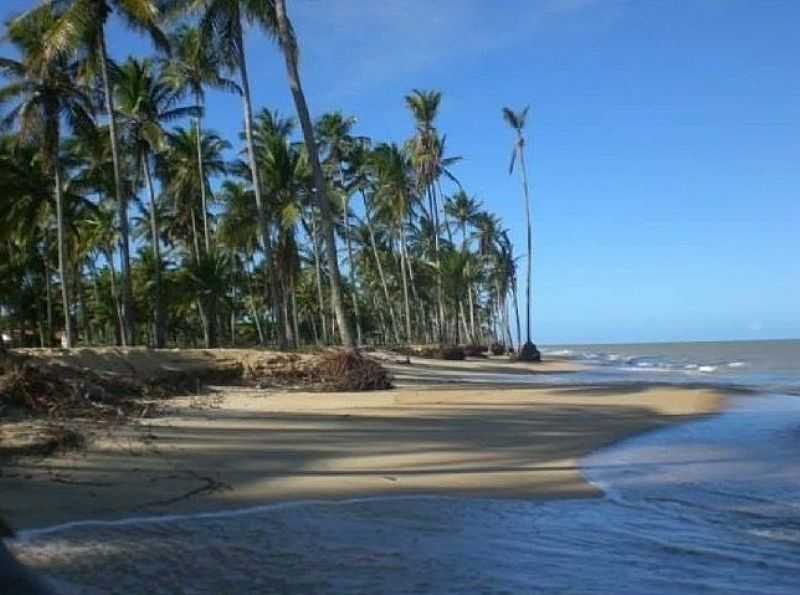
(242, 447)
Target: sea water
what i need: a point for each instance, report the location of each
(711, 506)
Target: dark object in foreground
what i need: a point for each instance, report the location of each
(529, 353)
(15, 579)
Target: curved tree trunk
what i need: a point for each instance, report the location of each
(289, 52)
(122, 201)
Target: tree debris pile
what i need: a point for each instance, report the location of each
(37, 388)
(333, 371)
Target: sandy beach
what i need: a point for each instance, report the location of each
(433, 434)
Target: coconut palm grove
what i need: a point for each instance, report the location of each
(126, 220)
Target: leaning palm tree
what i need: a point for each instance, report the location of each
(46, 93)
(80, 25)
(516, 120)
(288, 45)
(146, 102)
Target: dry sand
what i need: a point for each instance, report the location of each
(243, 447)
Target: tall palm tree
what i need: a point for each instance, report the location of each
(46, 93)
(146, 102)
(394, 195)
(192, 66)
(464, 210)
(333, 131)
(80, 25)
(516, 120)
(289, 47)
(222, 25)
(424, 106)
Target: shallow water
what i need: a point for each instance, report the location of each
(707, 507)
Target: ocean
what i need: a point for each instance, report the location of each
(710, 506)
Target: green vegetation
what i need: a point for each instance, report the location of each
(125, 221)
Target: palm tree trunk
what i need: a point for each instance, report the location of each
(158, 323)
(290, 55)
(439, 284)
(62, 255)
(202, 178)
(295, 322)
(48, 291)
(318, 273)
(467, 332)
(507, 320)
(195, 239)
(405, 286)
(516, 311)
(119, 327)
(530, 243)
(254, 312)
(351, 269)
(263, 223)
(471, 311)
(368, 216)
(122, 200)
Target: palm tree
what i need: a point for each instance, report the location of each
(80, 25)
(192, 66)
(46, 93)
(183, 184)
(222, 28)
(394, 194)
(464, 210)
(288, 45)
(516, 120)
(424, 106)
(334, 133)
(145, 102)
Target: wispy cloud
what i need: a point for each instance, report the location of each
(370, 43)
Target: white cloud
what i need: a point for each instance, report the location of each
(369, 43)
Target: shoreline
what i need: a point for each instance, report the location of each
(242, 449)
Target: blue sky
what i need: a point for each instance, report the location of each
(664, 143)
